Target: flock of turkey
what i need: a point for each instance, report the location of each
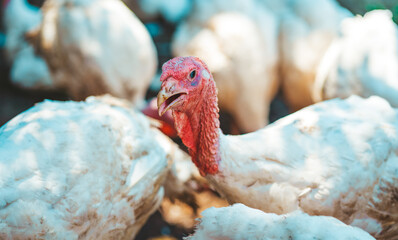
(100, 164)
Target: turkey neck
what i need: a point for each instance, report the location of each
(199, 130)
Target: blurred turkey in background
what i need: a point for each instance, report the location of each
(268, 57)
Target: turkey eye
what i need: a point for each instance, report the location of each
(192, 74)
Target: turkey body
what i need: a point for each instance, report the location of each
(362, 60)
(336, 158)
(95, 47)
(305, 34)
(79, 170)
(241, 222)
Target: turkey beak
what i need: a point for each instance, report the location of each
(167, 99)
(162, 97)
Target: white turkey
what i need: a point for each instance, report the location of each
(336, 158)
(94, 47)
(241, 222)
(306, 30)
(81, 170)
(362, 60)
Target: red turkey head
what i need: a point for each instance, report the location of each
(184, 80)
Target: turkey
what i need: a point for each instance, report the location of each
(238, 39)
(82, 170)
(94, 47)
(27, 69)
(241, 222)
(306, 30)
(363, 60)
(335, 158)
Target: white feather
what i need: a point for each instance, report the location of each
(79, 170)
(241, 222)
(362, 60)
(96, 46)
(334, 158)
(306, 30)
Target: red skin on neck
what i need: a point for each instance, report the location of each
(198, 125)
(199, 131)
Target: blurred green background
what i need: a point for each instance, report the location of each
(363, 6)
